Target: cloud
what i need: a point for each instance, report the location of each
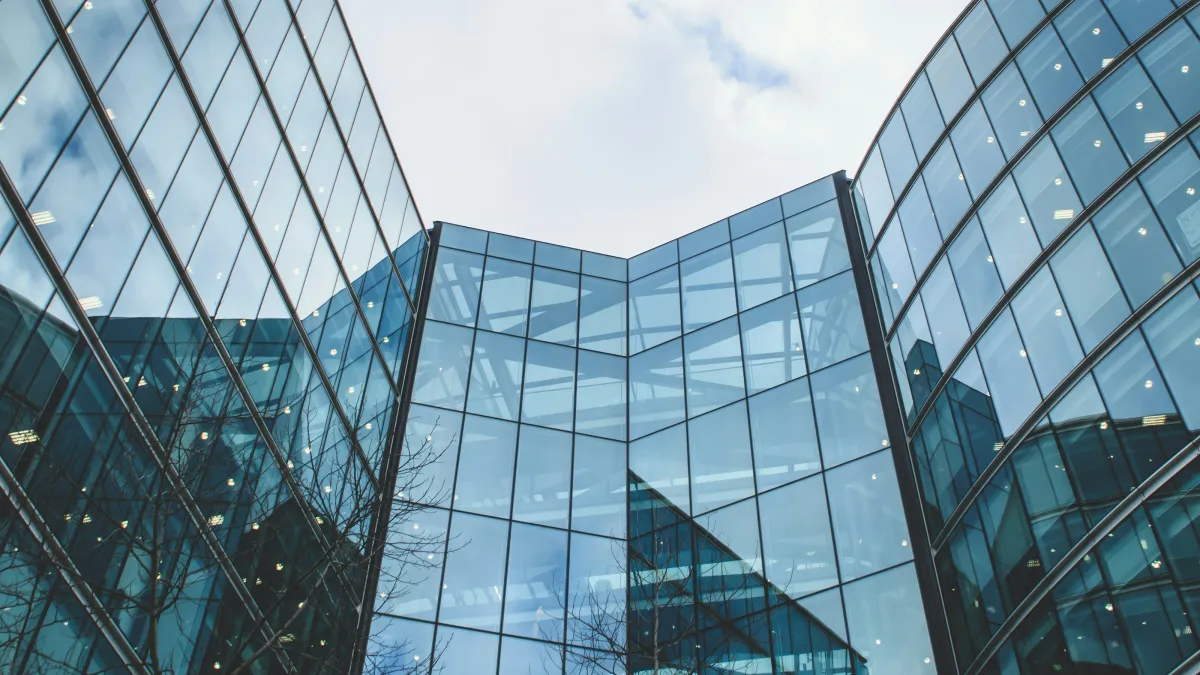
(613, 125)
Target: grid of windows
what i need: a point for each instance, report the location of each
(1030, 217)
(208, 269)
(727, 372)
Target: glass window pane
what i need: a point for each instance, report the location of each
(1173, 335)
(537, 580)
(654, 314)
(474, 572)
(1048, 192)
(1090, 289)
(921, 113)
(1135, 17)
(1010, 379)
(887, 624)
(897, 151)
(464, 238)
(442, 366)
(754, 218)
(466, 652)
(849, 414)
(543, 484)
(496, 375)
(1011, 110)
(661, 462)
(920, 227)
(713, 358)
(1170, 59)
(719, 448)
(598, 488)
(762, 267)
(947, 188)
(549, 386)
(656, 389)
(975, 271)
(1123, 376)
(1140, 252)
(431, 441)
(606, 266)
(513, 248)
(806, 197)
(485, 466)
(980, 41)
(818, 244)
(978, 152)
(944, 309)
(872, 184)
(870, 531)
(600, 410)
(602, 315)
(1090, 35)
(558, 257)
(1049, 71)
(530, 656)
(895, 268)
(1134, 110)
(832, 321)
(708, 292)
(596, 588)
(785, 437)
(1016, 17)
(1013, 242)
(948, 75)
(771, 345)
(1173, 185)
(504, 301)
(653, 260)
(1046, 328)
(554, 309)
(457, 277)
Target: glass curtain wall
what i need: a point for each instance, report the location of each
(723, 378)
(208, 269)
(1031, 219)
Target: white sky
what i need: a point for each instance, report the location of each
(616, 125)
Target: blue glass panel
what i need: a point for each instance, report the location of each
(1046, 328)
(653, 260)
(504, 300)
(1049, 71)
(466, 652)
(719, 450)
(713, 362)
(656, 389)
(431, 440)
(474, 572)
(1010, 379)
(464, 238)
(543, 483)
(1090, 34)
(598, 487)
(922, 115)
(949, 78)
(1139, 250)
(1172, 333)
(947, 321)
(661, 462)
(27, 36)
(554, 306)
(600, 408)
(1170, 59)
(1016, 18)
(1134, 110)
(818, 244)
(595, 588)
(785, 437)
(871, 534)
(602, 315)
(704, 239)
(754, 218)
(530, 656)
(1135, 17)
(807, 196)
(605, 266)
(772, 348)
(549, 398)
(872, 183)
(978, 152)
(496, 375)
(537, 579)
(1171, 183)
(1013, 242)
(485, 466)
(832, 321)
(1011, 110)
(1093, 296)
(457, 278)
(1048, 192)
(898, 157)
(654, 315)
(849, 415)
(887, 624)
(558, 257)
(947, 188)
(395, 644)
(708, 289)
(895, 267)
(442, 367)
(1131, 383)
(761, 266)
(980, 41)
(920, 227)
(512, 248)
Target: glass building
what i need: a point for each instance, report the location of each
(258, 418)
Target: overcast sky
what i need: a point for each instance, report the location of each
(616, 125)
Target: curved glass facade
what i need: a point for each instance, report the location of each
(1031, 221)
